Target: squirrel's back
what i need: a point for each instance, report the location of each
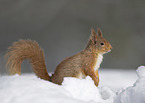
(26, 49)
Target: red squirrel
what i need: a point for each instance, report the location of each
(80, 65)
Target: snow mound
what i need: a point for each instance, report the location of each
(30, 89)
(86, 90)
(141, 71)
(135, 93)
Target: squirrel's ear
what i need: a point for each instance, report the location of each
(93, 37)
(93, 31)
(100, 32)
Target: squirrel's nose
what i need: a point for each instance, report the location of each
(110, 48)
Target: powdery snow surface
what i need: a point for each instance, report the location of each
(117, 79)
(30, 89)
(85, 90)
(135, 93)
(141, 71)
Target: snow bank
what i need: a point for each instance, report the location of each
(86, 90)
(117, 79)
(141, 71)
(30, 89)
(135, 93)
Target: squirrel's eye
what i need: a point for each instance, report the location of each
(101, 44)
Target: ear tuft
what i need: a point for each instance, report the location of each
(93, 37)
(100, 32)
(93, 31)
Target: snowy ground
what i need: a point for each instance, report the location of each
(117, 79)
(115, 86)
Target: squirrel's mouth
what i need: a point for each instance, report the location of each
(108, 51)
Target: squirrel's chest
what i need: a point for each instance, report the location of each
(98, 62)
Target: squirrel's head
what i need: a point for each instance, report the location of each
(98, 43)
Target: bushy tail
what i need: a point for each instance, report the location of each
(26, 49)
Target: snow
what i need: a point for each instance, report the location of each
(135, 93)
(141, 71)
(86, 90)
(29, 88)
(116, 86)
(117, 79)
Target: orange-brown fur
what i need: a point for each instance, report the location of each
(79, 65)
(26, 49)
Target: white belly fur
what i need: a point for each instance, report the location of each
(81, 76)
(98, 62)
